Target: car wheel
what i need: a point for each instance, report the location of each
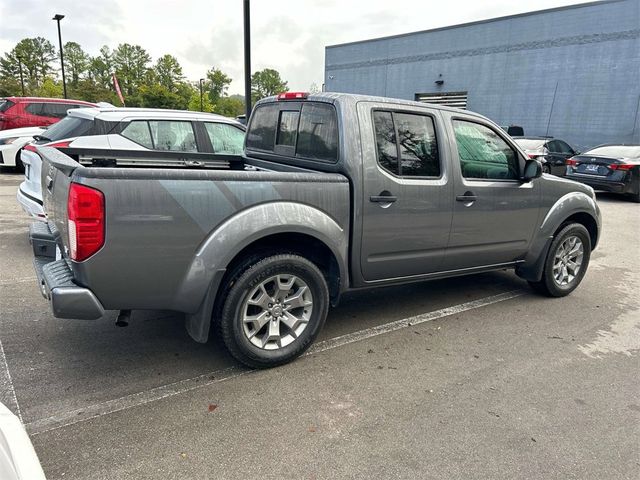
(274, 310)
(546, 168)
(566, 262)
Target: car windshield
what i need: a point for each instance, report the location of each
(68, 127)
(530, 143)
(616, 151)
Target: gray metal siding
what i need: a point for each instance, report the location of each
(573, 72)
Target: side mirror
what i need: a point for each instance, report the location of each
(532, 170)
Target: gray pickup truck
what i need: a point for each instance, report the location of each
(337, 192)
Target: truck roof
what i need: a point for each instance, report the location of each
(337, 97)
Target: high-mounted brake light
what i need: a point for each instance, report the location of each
(621, 166)
(85, 208)
(293, 96)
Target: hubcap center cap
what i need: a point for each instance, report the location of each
(277, 310)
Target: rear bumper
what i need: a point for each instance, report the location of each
(55, 279)
(607, 186)
(30, 204)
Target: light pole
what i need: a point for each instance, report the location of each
(201, 102)
(57, 17)
(21, 76)
(247, 60)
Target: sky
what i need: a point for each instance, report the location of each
(287, 35)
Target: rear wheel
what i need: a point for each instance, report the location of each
(19, 165)
(274, 310)
(566, 262)
(546, 168)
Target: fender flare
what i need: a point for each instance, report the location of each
(565, 207)
(199, 287)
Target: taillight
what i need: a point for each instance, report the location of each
(621, 166)
(31, 148)
(293, 96)
(532, 156)
(571, 162)
(85, 209)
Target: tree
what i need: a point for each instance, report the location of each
(76, 61)
(159, 96)
(101, 68)
(217, 84)
(131, 65)
(230, 106)
(50, 89)
(265, 83)
(168, 72)
(35, 54)
(314, 88)
(194, 102)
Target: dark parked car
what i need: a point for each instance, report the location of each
(613, 168)
(552, 152)
(20, 112)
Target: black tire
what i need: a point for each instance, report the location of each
(546, 168)
(548, 285)
(635, 197)
(230, 323)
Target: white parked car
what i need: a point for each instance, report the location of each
(18, 459)
(111, 136)
(12, 141)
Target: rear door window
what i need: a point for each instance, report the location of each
(410, 137)
(172, 135)
(36, 109)
(225, 138)
(483, 154)
(138, 132)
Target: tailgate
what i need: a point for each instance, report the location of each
(55, 178)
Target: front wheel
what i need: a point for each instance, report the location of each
(566, 262)
(274, 310)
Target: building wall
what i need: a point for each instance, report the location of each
(571, 72)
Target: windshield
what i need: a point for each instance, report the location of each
(530, 143)
(66, 128)
(617, 151)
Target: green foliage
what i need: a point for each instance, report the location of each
(168, 72)
(35, 54)
(76, 62)
(90, 78)
(265, 83)
(217, 83)
(50, 88)
(229, 106)
(131, 66)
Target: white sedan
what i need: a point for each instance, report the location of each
(18, 459)
(12, 141)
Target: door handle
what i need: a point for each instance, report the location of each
(383, 198)
(467, 197)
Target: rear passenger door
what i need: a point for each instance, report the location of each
(407, 192)
(495, 213)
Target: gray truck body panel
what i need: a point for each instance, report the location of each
(171, 234)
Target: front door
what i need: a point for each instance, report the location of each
(407, 192)
(494, 213)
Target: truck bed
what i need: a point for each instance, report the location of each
(158, 223)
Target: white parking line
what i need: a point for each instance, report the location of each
(183, 386)
(7, 391)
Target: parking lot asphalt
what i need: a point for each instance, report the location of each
(473, 377)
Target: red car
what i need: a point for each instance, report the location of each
(18, 112)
